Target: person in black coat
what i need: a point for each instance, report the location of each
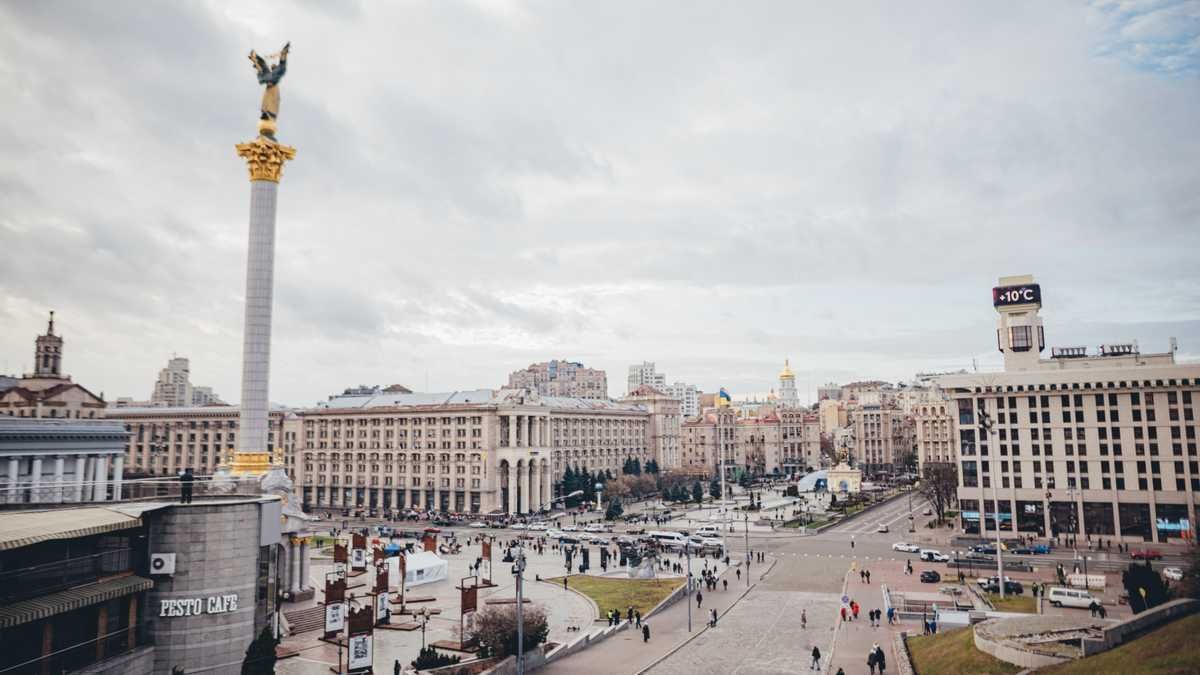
(645, 632)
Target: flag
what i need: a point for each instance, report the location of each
(723, 398)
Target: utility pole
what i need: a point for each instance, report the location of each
(687, 549)
(985, 421)
(518, 569)
(747, 521)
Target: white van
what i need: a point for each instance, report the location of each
(671, 540)
(708, 531)
(1071, 597)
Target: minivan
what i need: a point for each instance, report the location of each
(669, 539)
(1071, 597)
(708, 531)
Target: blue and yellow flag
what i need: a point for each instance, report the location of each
(723, 398)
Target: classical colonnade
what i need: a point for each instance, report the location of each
(54, 478)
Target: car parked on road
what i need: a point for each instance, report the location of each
(594, 527)
(518, 526)
(882, 527)
(992, 585)
(930, 577)
(569, 528)
(907, 548)
(1071, 597)
(1146, 554)
(539, 527)
(986, 549)
(479, 523)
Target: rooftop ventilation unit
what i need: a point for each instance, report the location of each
(1118, 350)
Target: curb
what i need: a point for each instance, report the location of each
(855, 515)
(695, 635)
(591, 602)
(837, 629)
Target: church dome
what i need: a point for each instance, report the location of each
(786, 373)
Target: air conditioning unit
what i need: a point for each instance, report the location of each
(162, 563)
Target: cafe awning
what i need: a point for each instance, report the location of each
(25, 528)
(71, 599)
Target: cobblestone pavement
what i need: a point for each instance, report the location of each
(761, 634)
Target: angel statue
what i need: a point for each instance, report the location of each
(270, 76)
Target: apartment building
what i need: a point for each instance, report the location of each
(784, 439)
(561, 378)
(934, 422)
(1101, 444)
(667, 421)
(882, 437)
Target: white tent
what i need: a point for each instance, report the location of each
(422, 567)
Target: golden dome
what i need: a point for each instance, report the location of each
(786, 373)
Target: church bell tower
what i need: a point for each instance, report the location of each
(48, 353)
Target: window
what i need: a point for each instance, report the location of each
(1021, 338)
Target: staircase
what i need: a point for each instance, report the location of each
(305, 620)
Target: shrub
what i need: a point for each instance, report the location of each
(430, 658)
(495, 629)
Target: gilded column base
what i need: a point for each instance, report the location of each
(250, 463)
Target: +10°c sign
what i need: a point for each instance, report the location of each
(1024, 294)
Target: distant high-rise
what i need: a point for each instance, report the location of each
(644, 373)
(561, 378)
(174, 387)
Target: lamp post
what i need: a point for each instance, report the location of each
(985, 422)
(746, 518)
(687, 549)
(424, 622)
(518, 569)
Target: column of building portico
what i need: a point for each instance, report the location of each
(35, 480)
(534, 486)
(80, 476)
(511, 478)
(512, 430)
(13, 495)
(118, 470)
(294, 564)
(57, 497)
(285, 566)
(304, 571)
(100, 478)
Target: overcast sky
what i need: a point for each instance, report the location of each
(712, 186)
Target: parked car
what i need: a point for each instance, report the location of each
(554, 534)
(907, 548)
(569, 528)
(1071, 597)
(1173, 573)
(992, 585)
(1146, 554)
(539, 527)
(930, 576)
(594, 527)
(626, 540)
(478, 523)
(518, 526)
(882, 527)
(986, 549)
(932, 555)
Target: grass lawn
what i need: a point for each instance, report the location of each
(611, 593)
(1161, 652)
(1013, 603)
(954, 653)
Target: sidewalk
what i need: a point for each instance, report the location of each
(625, 652)
(856, 638)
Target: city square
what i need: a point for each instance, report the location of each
(418, 274)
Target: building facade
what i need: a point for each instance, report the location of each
(561, 378)
(46, 392)
(644, 374)
(687, 395)
(164, 441)
(783, 440)
(788, 396)
(882, 438)
(53, 461)
(666, 421)
(934, 422)
(1102, 445)
(478, 451)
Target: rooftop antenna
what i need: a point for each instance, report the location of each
(974, 364)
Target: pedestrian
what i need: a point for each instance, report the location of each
(843, 614)
(396, 667)
(816, 659)
(1103, 612)
(871, 661)
(637, 617)
(1092, 608)
(868, 576)
(880, 659)
(699, 599)
(891, 614)
(862, 576)
(739, 574)
(854, 608)
(629, 616)
(564, 583)
(726, 582)
(841, 672)
(185, 486)
(714, 617)
(803, 619)
(645, 633)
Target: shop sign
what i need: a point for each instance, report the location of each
(216, 604)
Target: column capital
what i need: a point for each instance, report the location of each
(265, 158)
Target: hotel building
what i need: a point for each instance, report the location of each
(1101, 444)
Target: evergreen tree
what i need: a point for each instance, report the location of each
(652, 466)
(260, 655)
(607, 476)
(697, 492)
(614, 509)
(714, 488)
(635, 466)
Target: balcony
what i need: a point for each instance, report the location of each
(37, 580)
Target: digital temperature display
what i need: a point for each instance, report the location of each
(1025, 294)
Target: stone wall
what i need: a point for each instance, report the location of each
(1146, 621)
(216, 545)
(135, 662)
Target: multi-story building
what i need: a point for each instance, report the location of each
(882, 438)
(644, 373)
(51, 461)
(833, 415)
(561, 378)
(687, 395)
(784, 440)
(934, 418)
(1101, 444)
(174, 387)
(46, 392)
(469, 451)
(666, 422)
(788, 396)
(164, 441)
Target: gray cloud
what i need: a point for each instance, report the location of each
(479, 186)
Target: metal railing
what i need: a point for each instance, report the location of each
(82, 654)
(168, 488)
(23, 583)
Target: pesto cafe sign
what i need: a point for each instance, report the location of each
(216, 604)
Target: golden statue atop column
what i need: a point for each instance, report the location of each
(264, 155)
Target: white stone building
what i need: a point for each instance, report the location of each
(48, 461)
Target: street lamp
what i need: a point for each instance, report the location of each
(747, 521)
(424, 614)
(985, 422)
(518, 569)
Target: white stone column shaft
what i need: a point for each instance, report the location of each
(524, 478)
(101, 478)
(14, 479)
(81, 464)
(305, 582)
(512, 430)
(35, 480)
(118, 474)
(294, 563)
(58, 479)
(256, 332)
(512, 487)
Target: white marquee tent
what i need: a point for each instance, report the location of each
(423, 567)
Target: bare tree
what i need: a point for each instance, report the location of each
(939, 484)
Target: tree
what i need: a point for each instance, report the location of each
(697, 492)
(260, 655)
(495, 629)
(652, 466)
(430, 658)
(1144, 586)
(614, 509)
(714, 488)
(939, 485)
(1189, 586)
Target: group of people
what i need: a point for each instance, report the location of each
(864, 576)
(632, 615)
(875, 659)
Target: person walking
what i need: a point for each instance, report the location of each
(843, 614)
(713, 622)
(803, 619)
(871, 661)
(726, 582)
(645, 633)
(739, 574)
(868, 573)
(854, 608)
(862, 576)
(396, 667)
(699, 599)
(185, 486)
(880, 659)
(816, 659)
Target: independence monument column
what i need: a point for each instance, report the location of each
(265, 158)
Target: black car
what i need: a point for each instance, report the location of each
(930, 577)
(1010, 587)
